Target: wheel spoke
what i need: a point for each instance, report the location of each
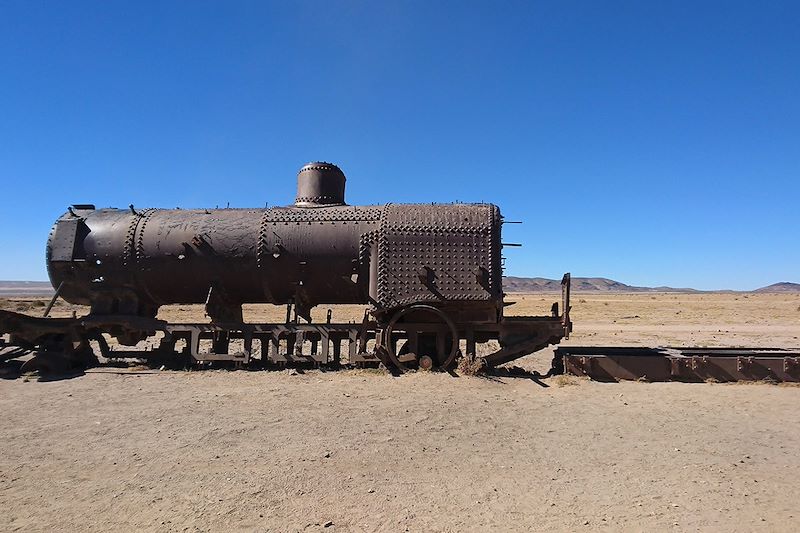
(432, 349)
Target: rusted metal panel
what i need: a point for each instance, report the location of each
(437, 253)
(680, 363)
(259, 256)
(64, 238)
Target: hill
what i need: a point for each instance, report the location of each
(516, 284)
(783, 286)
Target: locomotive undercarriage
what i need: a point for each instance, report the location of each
(411, 337)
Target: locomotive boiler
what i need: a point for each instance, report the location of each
(430, 274)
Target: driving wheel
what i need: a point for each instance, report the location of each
(427, 346)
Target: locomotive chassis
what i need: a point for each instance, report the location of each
(68, 341)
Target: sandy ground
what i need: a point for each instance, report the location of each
(359, 450)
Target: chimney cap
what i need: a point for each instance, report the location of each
(320, 184)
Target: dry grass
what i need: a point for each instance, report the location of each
(756, 382)
(33, 305)
(470, 367)
(369, 371)
(565, 380)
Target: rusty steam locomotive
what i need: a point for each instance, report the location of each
(431, 275)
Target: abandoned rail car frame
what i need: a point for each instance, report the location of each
(694, 364)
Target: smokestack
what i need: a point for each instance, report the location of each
(320, 184)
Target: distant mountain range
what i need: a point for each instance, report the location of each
(26, 288)
(510, 284)
(515, 284)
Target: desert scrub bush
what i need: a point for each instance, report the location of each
(470, 367)
(565, 380)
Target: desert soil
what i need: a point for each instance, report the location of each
(359, 450)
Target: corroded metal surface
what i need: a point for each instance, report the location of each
(320, 184)
(679, 363)
(439, 253)
(402, 260)
(132, 261)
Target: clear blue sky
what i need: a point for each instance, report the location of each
(650, 142)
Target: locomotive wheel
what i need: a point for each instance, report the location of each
(430, 355)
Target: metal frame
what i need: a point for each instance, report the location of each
(604, 363)
(366, 342)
